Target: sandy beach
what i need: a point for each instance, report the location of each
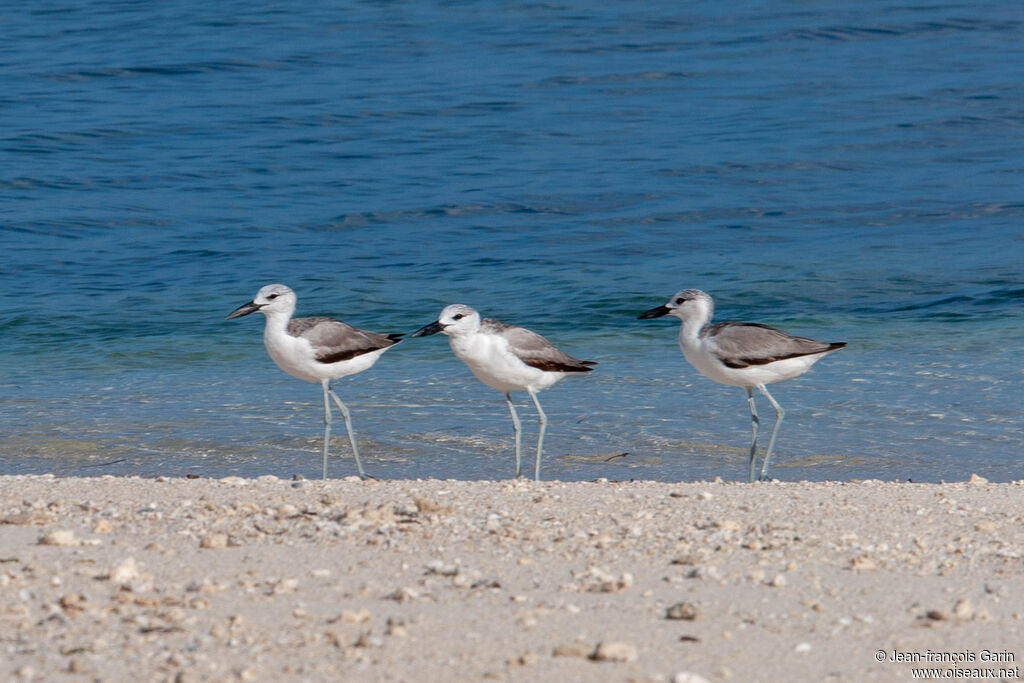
(127, 579)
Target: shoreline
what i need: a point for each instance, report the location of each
(119, 578)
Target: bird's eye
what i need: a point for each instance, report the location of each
(457, 316)
(272, 296)
(679, 301)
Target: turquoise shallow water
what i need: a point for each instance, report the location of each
(844, 172)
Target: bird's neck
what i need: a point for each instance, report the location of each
(689, 331)
(460, 343)
(277, 323)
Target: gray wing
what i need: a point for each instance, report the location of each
(335, 341)
(533, 349)
(739, 345)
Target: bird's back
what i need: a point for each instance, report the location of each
(740, 345)
(334, 341)
(533, 349)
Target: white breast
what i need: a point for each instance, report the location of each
(292, 354)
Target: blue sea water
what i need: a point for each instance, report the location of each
(846, 171)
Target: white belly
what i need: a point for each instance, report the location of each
(493, 364)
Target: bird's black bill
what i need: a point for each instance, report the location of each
(655, 312)
(427, 330)
(244, 309)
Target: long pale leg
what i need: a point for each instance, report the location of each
(351, 434)
(540, 436)
(515, 428)
(327, 425)
(779, 413)
(754, 423)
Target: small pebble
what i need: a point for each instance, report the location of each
(125, 572)
(862, 563)
(396, 628)
(71, 603)
(212, 541)
(682, 610)
(403, 595)
(60, 537)
(575, 649)
(688, 677)
(352, 617)
(285, 586)
(614, 652)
